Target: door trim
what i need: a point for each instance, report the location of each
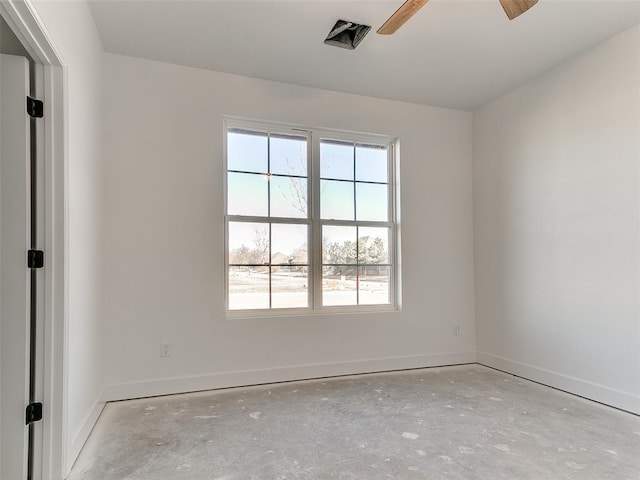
(22, 18)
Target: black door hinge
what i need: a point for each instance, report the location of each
(35, 259)
(34, 413)
(35, 108)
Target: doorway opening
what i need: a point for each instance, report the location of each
(32, 247)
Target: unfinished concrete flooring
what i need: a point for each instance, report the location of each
(466, 422)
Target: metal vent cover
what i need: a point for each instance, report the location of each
(346, 34)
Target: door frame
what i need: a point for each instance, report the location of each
(51, 453)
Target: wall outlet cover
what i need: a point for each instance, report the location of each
(165, 349)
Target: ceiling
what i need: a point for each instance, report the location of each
(452, 53)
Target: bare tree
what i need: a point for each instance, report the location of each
(261, 242)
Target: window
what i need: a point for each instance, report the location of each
(310, 219)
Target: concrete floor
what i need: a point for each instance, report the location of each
(465, 422)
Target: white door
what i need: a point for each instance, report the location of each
(14, 275)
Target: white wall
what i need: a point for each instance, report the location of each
(556, 210)
(163, 236)
(73, 32)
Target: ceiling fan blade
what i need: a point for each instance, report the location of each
(404, 13)
(513, 8)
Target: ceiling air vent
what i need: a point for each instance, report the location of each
(346, 34)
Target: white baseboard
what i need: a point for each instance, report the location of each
(593, 391)
(80, 436)
(272, 375)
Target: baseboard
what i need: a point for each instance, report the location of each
(80, 436)
(272, 375)
(592, 391)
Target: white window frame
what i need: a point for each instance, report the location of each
(313, 220)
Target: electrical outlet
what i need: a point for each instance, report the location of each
(165, 349)
(456, 331)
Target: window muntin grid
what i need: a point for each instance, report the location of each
(374, 281)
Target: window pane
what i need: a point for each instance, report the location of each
(371, 163)
(270, 232)
(288, 197)
(339, 285)
(248, 288)
(289, 287)
(248, 243)
(289, 244)
(338, 245)
(247, 151)
(373, 284)
(373, 245)
(247, 194)
(336, 200)
(288, 155)
(336, 160)
(371, 202)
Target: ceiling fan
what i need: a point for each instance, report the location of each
(512, 8)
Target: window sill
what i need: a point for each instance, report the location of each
(309, 313)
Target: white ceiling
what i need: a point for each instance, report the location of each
(452, 53)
